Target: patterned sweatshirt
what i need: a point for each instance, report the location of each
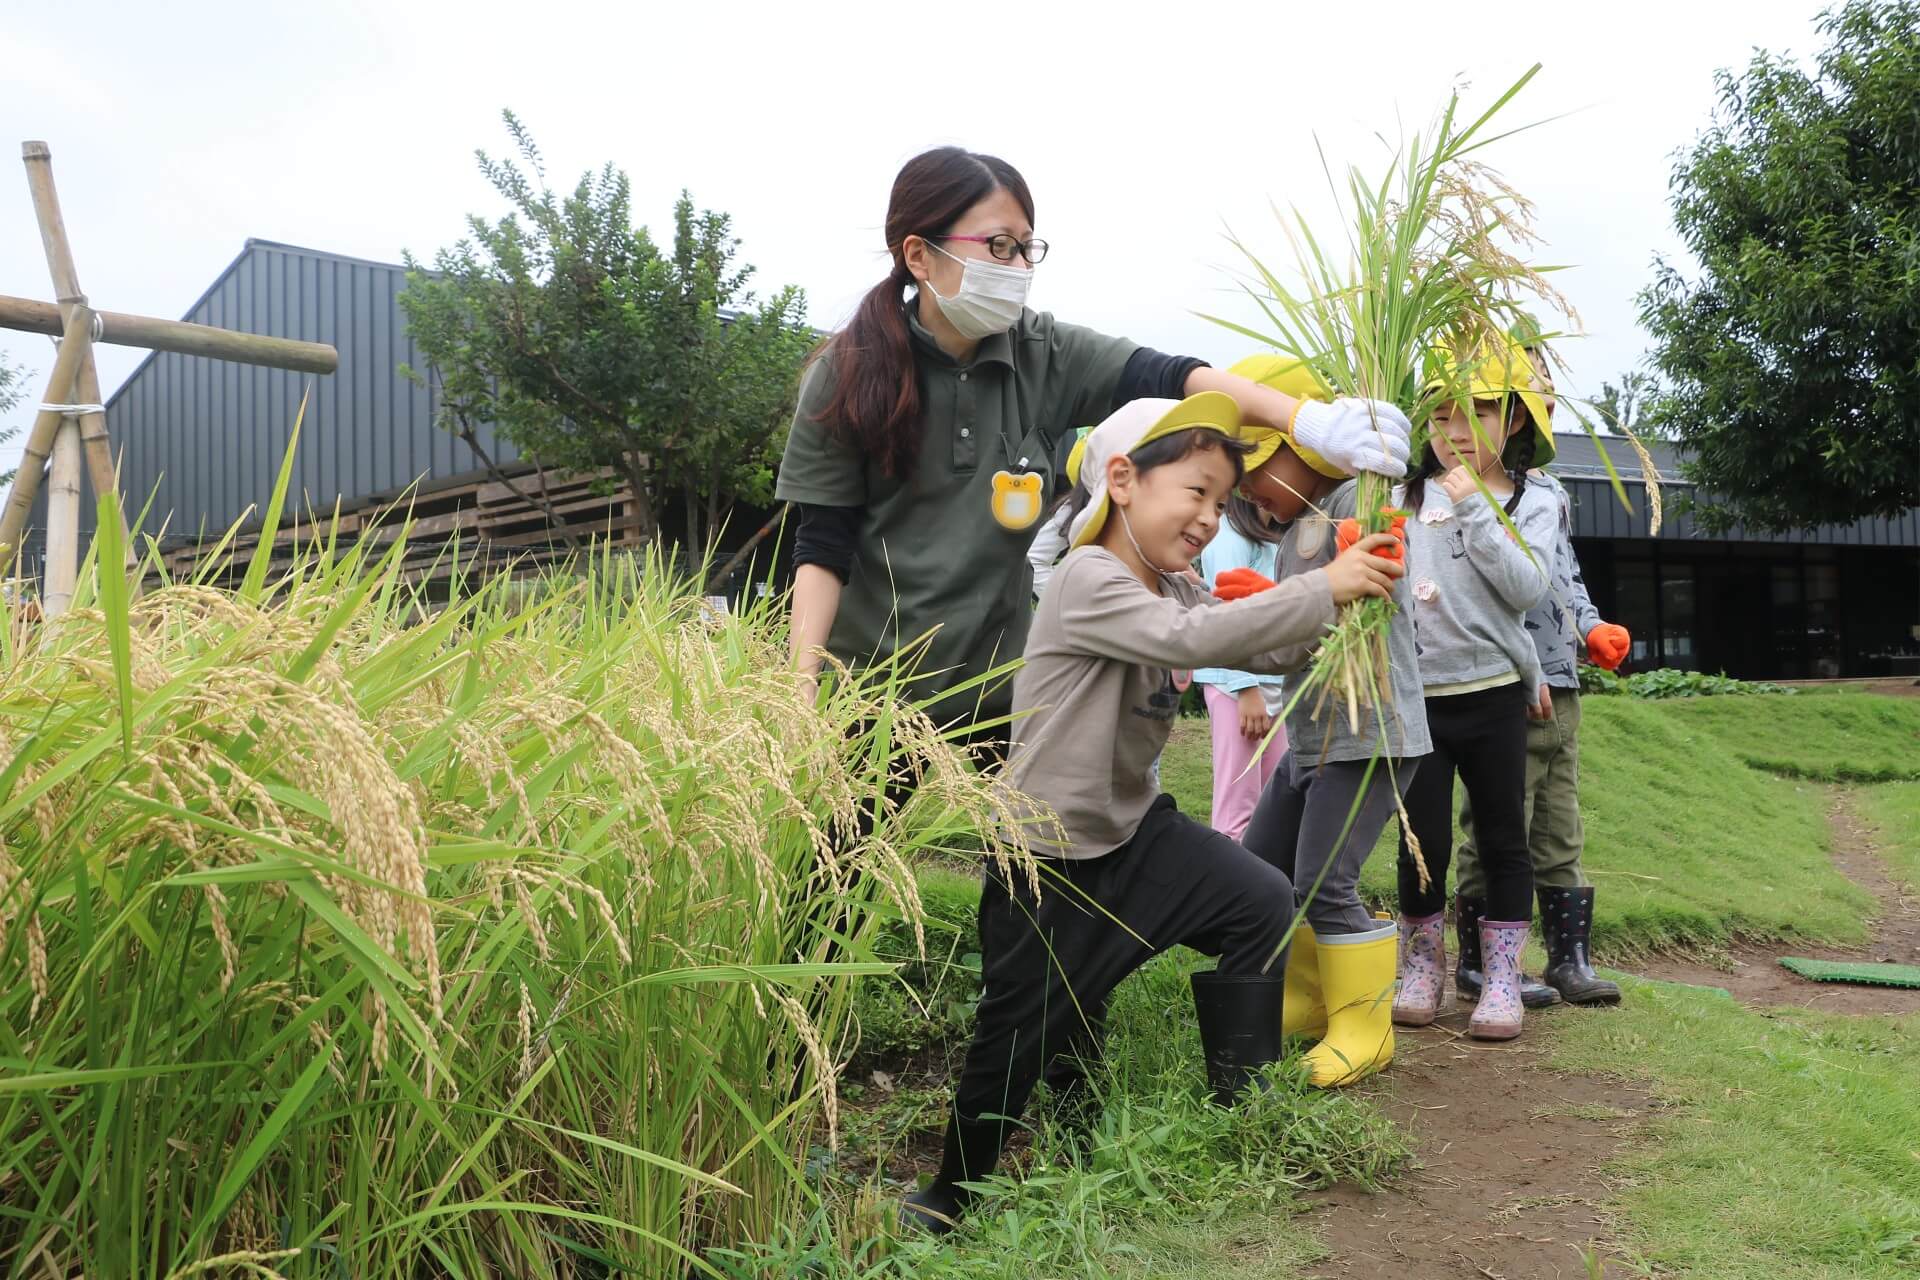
(1560, 622)
(1400, 729)
(1473, 585)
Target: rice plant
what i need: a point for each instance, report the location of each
(350, 933)
(1429, 272)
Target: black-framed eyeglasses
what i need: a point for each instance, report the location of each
(1005, 246)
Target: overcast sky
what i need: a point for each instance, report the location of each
(179, 130)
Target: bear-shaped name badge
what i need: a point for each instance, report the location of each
(1016, 499)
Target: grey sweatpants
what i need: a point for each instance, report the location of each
(1298, 822)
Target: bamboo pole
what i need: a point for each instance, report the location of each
(178, 336)
(63, 522)
(26, 482)
(92, 435)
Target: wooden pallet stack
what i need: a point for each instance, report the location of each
(477, 522)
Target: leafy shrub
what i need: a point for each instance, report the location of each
(1599, 680)
(1668, 682)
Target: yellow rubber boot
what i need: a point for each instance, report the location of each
(1302, 1010)
(1356, 981)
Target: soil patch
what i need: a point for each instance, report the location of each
(1510, 1153)
(1752, 972)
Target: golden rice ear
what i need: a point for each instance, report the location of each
(597, 799)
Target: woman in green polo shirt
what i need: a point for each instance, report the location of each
(927, 428)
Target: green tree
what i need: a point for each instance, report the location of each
(11, 393)
(1621, 405)
(1789, 359)
(568, 328)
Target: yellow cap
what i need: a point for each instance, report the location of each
(1289, 377)
(1136, 423)
(1503, 372)
(1078, 452)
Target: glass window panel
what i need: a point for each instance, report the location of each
(1677, 648)
(1633, 609)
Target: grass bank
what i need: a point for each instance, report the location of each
(1694, 838)
(1894, 810)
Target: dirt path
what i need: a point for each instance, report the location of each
(1508, 1183)
(1754, 975)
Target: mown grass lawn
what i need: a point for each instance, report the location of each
(1789, 1148)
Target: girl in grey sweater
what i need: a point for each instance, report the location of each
(1473, 583)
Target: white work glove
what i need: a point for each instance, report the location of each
(1356, 435)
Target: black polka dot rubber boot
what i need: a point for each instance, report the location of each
(1566, 923)
(1467, 978)
(972, 1149)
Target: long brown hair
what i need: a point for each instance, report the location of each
(875, 406)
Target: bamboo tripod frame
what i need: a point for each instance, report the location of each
(70, 431)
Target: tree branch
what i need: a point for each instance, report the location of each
(539, 503)
(719, 576)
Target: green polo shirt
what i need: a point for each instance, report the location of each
(930, 554)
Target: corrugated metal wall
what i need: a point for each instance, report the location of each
(205, 437)
(1597, 513)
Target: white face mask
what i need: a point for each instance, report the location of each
(990, 298)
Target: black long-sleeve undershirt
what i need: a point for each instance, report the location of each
(828, 535)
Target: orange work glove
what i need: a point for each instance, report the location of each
(1238, 584)
(1608, 645)
(1349, 533)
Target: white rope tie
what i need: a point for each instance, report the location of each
(97, 326)
(73, 410)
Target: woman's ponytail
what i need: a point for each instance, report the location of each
(875, 404)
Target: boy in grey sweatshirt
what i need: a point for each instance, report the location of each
(1126, 875)
(1335, 791)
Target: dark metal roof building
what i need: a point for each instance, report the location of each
(1597, 512)
(1840, 600)
(204, 438)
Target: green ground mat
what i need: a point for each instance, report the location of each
(1881, 975)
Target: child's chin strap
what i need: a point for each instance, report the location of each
(1128, 525)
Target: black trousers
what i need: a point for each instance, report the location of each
(1050, 965)
(1481, 736)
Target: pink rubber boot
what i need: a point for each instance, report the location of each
(1497, 1016)
(1423, 959)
